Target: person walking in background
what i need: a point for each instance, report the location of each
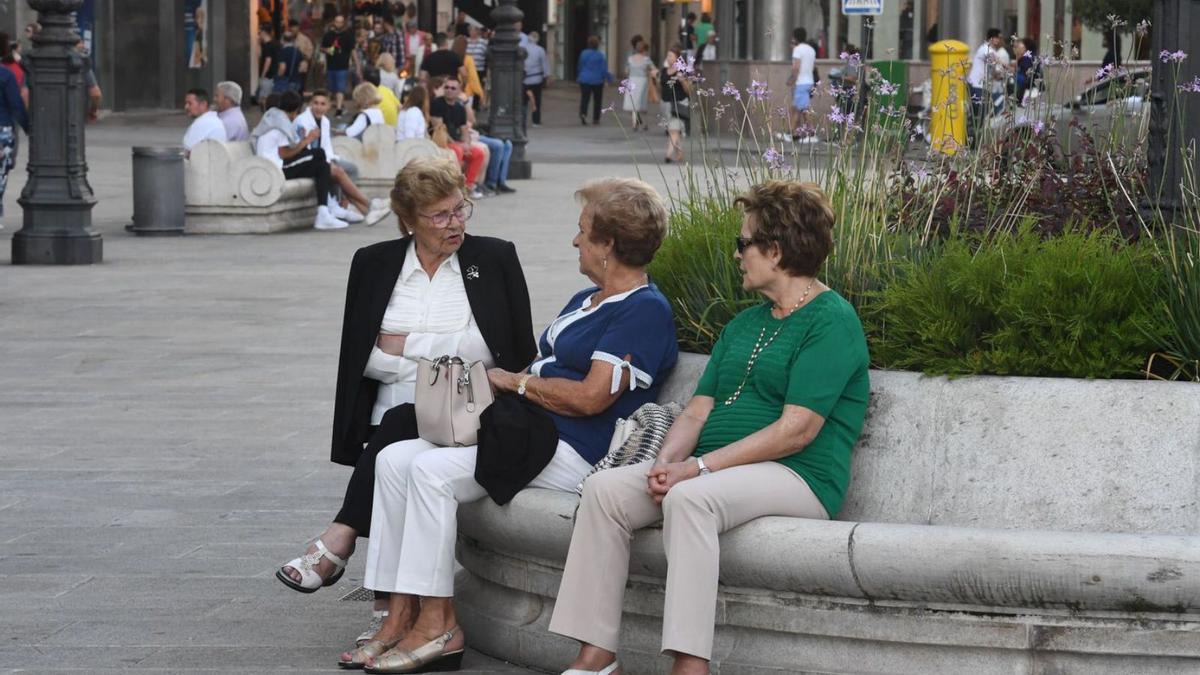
(537, 74)
(468, 74)
(206, 124)
(640, 70)
(12, 113)
(675, 103)
(802, 81)
(687, 36)
(477, 47)
(1028, 74)
(703, 29)
(338, 47)
(229, 109)
(289, 72)
(268, 59)
(307, 50)
(984, 72)
(593, 75)
(10, 60)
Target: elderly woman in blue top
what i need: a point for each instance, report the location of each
(605, 355)
(592, 74)
(12, 111)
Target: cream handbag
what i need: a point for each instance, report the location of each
(450, 396)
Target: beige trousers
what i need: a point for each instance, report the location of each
(615, 504)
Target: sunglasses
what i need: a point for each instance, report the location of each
(742, 243)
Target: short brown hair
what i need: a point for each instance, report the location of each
(629, 213)
(423, 181)
(797, 217)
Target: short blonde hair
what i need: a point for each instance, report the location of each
(366, 95)
(629, 213)
(386, 62)
(422, 182)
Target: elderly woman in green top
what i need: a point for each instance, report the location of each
(769, 431)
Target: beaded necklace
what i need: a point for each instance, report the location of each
(760, 346)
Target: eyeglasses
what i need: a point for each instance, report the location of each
(742, 243)
(463, 212)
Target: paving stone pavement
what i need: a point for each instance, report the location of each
(164, 425)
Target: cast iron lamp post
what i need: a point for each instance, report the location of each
(506, 117)
(57, 200)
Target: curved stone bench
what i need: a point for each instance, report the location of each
(1008, 525)
(379, 156)
(230, 190)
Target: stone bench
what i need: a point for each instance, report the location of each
(379, 156)
(993, 525)
(230, 190)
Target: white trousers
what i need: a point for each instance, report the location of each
(414, 524)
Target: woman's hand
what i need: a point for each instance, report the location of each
(502, 380)
(665, 475)
(392, 343)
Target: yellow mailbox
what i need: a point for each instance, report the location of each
(950, 104)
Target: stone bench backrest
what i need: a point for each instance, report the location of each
(1020, 452)
(378, 155)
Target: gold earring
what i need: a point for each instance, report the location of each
(605, 263)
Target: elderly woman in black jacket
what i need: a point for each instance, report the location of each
(436, 290)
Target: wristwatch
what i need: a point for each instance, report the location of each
(521, 385)
(704, 470)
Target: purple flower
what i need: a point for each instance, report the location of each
(1038, 128)
(758, 91)
(607, 109)
(887, 88)
(837, 116)
(730, 90)
(1172, 57)
(774, 159)
(781, 112)
(626, 87)
(851, 59)
(1192, 87)
(1104, 72)
(686, 66)
(1143, 27)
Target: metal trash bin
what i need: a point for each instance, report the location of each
(158, 199)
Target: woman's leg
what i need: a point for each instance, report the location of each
(588, 608)
(585, 93)
(597, 102)
(392, 468)
(694, 513)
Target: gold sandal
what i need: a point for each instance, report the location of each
(371, 649)
(429, 657)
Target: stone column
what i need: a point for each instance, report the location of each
(57, 199)
(507, 62)
(1174, 126)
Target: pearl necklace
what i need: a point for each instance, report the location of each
(760, 346)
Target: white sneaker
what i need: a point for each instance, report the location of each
(476, 193)
(379, 203)
(348, 215)
(377, 213)
(327, 221)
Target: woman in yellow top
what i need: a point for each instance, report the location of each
(468, 75)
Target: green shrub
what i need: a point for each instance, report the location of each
(1179, 310)
(1077, 305)
(696, 270)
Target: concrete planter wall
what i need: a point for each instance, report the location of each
(1007, 525)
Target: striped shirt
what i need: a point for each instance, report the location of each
(478, 48)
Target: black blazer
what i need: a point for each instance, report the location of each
(499, 301)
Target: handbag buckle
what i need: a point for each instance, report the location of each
(436, 370)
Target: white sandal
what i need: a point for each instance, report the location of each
(377, 617)
(610, 668)
(306, 565)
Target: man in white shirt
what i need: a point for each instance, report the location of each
(316, 117)
(229, 109)
(989, 67)
(802, 79)
(207, 124)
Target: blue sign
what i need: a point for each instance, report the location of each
(861, 7)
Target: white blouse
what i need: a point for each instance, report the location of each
(363, 120)
(411, 124)
(436, 315)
